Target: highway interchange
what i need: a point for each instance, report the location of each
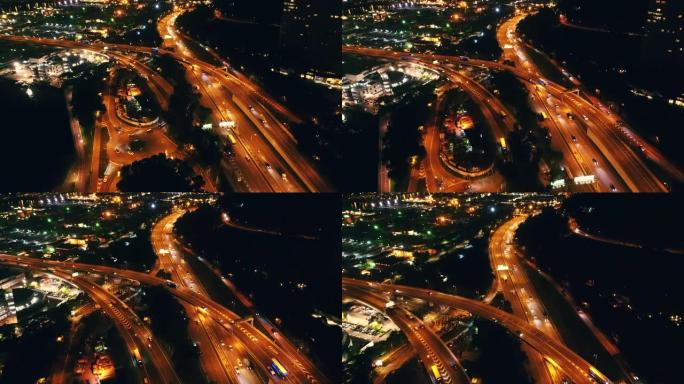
(593, 140)
(549, 359)
(266, 157)
(235, 350)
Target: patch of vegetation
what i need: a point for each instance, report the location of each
(169, 322)
(403, 140)
(158, 174)
(500, 361)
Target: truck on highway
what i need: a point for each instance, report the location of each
(231, 138)
(137, 359)
(171, 284)
(502, 143)
(278, 368)
(597, 376)
(435, 373)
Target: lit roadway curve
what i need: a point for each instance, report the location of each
(490, 105)
(430, 348)
(515, 286)
(175, 247)
(121, 133)
(619, 163)
(574, 366)
(156, 141)
(575, 228)
(491, 109)
(261, 348)
(261, 144)
(134, 333)
(217, 359)
(263, 136)
(600, 121)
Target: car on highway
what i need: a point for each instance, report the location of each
(268, 166)
(612, 188)
(574, 138)
(594, 161)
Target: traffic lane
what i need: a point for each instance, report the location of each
(264, 158)
(572, 364)
(639, 172)
(250, 170)
(210, 355)
(103, 299)
(143, 336)
(71, 44)
(602, 166)
(430, 348)
(636, 170)
(291, 151)
(173, 257)
(259, 344)
(504, 268)
(562, 139)
(281, 146)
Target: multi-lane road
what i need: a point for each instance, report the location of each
(135, 333)
(266, 155)
(598, 146)
(571, 364)
(220, 360)
(513, 283)
(550, 360)
(263, 142)
(227, 339)
(593, 140)
(431, 350)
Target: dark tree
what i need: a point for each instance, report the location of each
(501, 359)
(159, 173)
(86, 98)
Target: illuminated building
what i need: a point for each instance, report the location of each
(8, 312)
(664, 30)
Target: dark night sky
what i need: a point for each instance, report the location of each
(623, 15)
